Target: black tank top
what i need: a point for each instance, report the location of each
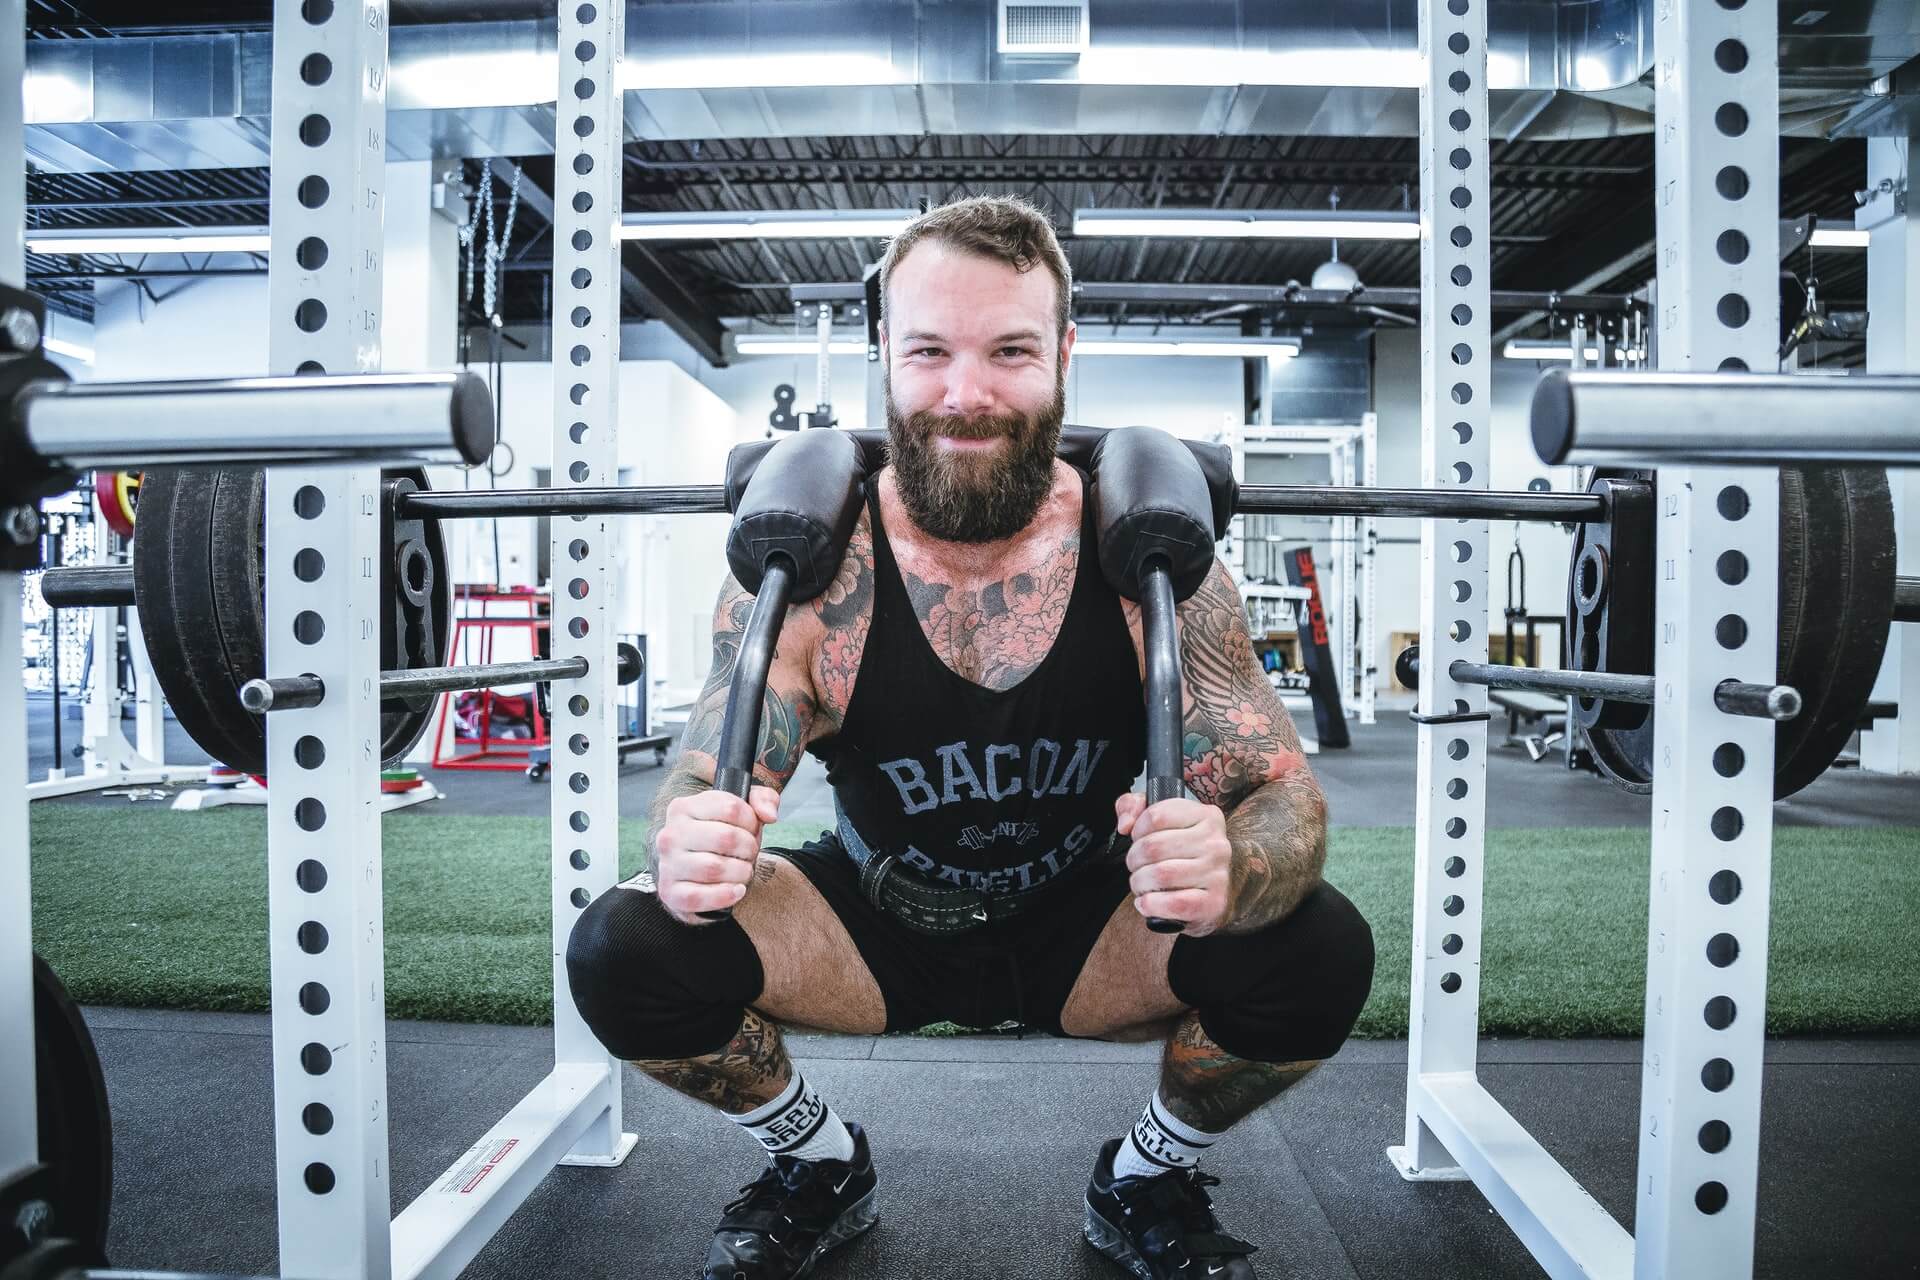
(1002, 791)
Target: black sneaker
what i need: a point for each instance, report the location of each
(1162, 1227)
(794, 1212)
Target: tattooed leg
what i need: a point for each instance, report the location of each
(1210, 1089)
(751, 1071)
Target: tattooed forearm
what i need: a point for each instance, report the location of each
(1279, 839)
(750, 1072)
(1243, 754)
(1209, 1088)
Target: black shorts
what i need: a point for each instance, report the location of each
(1018, 970)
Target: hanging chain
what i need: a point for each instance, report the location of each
(494, 247)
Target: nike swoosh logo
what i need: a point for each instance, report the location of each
(1214, 1271)
(743, 1242)
(843, 1183)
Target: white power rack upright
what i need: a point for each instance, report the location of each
(1717, 108)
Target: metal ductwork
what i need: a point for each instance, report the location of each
(796, 68)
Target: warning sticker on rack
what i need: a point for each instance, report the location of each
(481, 1159)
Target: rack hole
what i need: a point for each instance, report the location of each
(316, 1059)
(1722, 950)
(312, 937)
(311, 876)
(310, 814)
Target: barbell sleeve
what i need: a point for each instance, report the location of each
(288, 693)
(1906, 599)
(1645, 418)
(87, 586)
(78, 426)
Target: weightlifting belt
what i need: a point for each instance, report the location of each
(921, 902)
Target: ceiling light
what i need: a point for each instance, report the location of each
(148, 240)
(1249, 350)
(1543, 349)
(1258, 224)
(755, 345)
(765, 224)
(1839, 238)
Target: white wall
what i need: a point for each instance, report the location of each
(1396, 401)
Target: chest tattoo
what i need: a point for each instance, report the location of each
(995, 635)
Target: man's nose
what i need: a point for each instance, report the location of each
(968, 390)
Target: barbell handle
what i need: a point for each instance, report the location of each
(1163, 695)
(747, 692)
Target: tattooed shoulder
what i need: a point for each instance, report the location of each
(842, 615)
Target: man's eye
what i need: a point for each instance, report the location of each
(1015, 351)
(925, 351)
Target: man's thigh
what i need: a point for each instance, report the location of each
(815, 976)
(1122, 991)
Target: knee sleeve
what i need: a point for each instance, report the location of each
(1288, 993)
(651, 987)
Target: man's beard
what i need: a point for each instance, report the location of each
(974, 495)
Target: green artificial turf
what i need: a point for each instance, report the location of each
(168, 910)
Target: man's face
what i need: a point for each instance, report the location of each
(976, 390)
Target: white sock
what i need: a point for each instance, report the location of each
(798, 1123)
(1160, 1142)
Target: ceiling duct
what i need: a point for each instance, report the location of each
(802, 68)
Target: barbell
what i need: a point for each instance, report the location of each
(198, 583)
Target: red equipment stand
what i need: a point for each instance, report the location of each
(489, 751)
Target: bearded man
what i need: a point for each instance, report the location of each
(974, 688)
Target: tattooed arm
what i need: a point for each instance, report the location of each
(808, 683)
(1243, 754)
(786, 711)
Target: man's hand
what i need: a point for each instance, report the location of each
(704, 854)
(1181, 861)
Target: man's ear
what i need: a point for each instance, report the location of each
(882, 328)
(1066, 346)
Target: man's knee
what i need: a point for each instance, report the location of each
(1288, 993)
(651, 987)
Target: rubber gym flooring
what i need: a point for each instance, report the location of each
(984, 1143)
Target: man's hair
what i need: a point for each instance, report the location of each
(1004, 228)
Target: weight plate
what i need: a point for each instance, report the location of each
(1832, 644)
(199, 585)
(76, 1132)
(1836, 578)
(173, 590)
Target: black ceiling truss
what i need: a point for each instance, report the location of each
(1566, 216)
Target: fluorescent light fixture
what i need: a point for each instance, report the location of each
(765, 224)
(758, 71)
(1250, 350)
(1325, 67)
(1543, 349)
(1254, 224)
(757, 345)
(1839, 238)
(149, 240)
(71, 350)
